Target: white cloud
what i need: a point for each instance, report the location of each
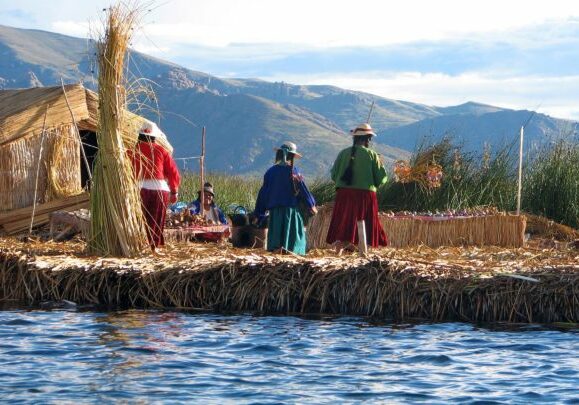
(317, 23)
(72, 28)
(172, 25)
(343, 22)
(556, 96)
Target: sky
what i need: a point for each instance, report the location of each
(513, 54)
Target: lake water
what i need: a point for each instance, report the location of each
(150, 356)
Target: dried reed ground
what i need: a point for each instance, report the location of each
(466, 284)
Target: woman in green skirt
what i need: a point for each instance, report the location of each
(281, 194)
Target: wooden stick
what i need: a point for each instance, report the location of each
(370, 113)
(362, 243)
(82, 151)
(520, 181)
(202, 174)
(38, 171)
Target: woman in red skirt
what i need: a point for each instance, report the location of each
(159, 179)
(358, 172)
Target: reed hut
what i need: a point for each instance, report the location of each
(45, 135)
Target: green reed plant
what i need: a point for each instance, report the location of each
(229, 189)
(551, 184)
(323, 190)
(469, 180)
(488, 178)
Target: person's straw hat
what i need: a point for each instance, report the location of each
(290, 147)
(362, 129)
(151, 129)
(208, 188)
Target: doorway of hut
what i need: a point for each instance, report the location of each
(90, 147)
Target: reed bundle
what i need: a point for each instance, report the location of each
(491, 285)
(499, 230)
(117, 222)
(550, 229)
(59, 174)
(63, 164)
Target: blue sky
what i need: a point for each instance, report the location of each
(515, 54)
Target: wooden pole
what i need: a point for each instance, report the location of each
(370, 113)
(362, 244)
(38, 171)
(520, 182)
(202, 174)
(82, 151)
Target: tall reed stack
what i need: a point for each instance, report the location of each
(117, 222)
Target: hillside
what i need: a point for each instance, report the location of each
(497, 128)
(247, 118)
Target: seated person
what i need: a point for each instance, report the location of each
(212, 212)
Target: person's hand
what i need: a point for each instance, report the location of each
(173, 198)
(314, 210)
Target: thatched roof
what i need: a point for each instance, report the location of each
(22, 112)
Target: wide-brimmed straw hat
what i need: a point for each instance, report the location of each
(289, 147)
(151, 129)
(362, 129)
(208, 188)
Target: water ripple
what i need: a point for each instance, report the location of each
(154, 356)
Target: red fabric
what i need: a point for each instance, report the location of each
(351, 206)
(152, 162)
(155, 209)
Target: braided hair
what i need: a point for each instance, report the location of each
(287, 157)
(348, 174)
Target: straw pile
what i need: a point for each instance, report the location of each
(492, 284)
(499, 230)
(58, 174)
(117, 222)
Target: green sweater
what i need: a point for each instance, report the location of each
(369, 172)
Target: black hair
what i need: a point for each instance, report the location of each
(146, 138)
(289, 156)
(348, 175)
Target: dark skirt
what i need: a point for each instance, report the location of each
(155, 208)
(286, 230)
(351, 206)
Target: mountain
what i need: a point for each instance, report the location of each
(491, 126)
(247, 118)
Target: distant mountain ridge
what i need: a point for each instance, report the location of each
(247, 118)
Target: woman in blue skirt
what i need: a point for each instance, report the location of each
(281, 194)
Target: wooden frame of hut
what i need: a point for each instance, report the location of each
(43, 135)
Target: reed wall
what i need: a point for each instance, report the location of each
(380, 288)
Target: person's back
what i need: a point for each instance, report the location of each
(368, 173)
(283, 187)
(358, 172)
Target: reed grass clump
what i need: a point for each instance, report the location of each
(469, 180)
(551, 186)
(117, 222)
(230, 191)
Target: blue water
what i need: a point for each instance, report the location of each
(156, 357)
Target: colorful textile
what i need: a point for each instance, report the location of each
(154, 208)
(282, 188)
(369, 172)
(195, 208)
(351, 206)
(286, 230)
(152, 162)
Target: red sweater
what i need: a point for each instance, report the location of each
(152, 162)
